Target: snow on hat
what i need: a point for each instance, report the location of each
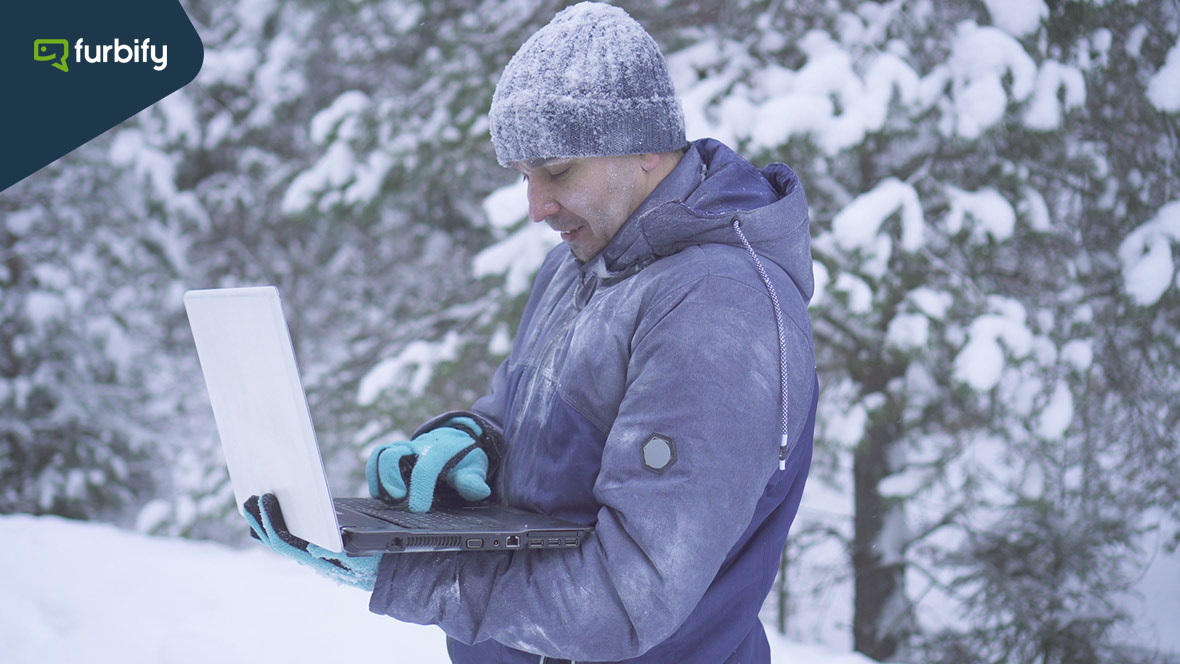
(591, 83)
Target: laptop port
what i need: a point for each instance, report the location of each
(475, 543)
(512, 541)
(571, 541)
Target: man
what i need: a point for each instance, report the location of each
(661, 386)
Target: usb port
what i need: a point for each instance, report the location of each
(571, 541)
(554, 541)
(536, 543)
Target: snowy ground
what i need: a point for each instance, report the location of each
(84, 592)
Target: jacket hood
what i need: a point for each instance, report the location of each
(698, 202)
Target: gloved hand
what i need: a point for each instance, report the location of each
(267, 525)
(450, 451)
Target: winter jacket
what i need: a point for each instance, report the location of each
(668, 335)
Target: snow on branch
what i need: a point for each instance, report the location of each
(981, 58)
(417, 360)
(856, 226)
(981, 362)
(1164, 87)
(993, 214)
(1146, 256)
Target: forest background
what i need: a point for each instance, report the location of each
(995, 200)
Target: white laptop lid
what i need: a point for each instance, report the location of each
(260, 407)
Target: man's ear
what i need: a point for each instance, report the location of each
(649, 161)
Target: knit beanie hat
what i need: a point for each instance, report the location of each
(591, 83)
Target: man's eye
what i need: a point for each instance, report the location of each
(560, 174)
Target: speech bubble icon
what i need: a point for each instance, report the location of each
(43, 51)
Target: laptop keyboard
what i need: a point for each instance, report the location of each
(404, 517)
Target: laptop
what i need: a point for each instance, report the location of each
(263, 420)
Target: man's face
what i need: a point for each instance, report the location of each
(586, 200)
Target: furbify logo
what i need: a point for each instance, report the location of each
(57, 51)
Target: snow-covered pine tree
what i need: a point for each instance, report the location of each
(85, 265)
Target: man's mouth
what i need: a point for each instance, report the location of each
(567, 233)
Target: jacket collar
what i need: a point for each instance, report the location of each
(628, 251)
(697, 203)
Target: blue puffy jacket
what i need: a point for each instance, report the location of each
(669, 332)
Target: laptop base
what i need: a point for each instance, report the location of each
(370, 526)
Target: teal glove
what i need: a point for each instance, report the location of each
(450, 451)
(267, 526)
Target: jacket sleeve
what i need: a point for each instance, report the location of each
(704, 374)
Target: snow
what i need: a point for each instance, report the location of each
(181, 123)
(339, 117)
(804, 102)
(1146, 256)
(20, 222)
(1017, 17)
(1045, 111)
(84, 592)
(276, 79)
(857, 225)
(42, 307)
(332, 170)
(822, 279)
(931, 302)
(1163, 89)
(418, 359)
(369, 178)
(908, 331)
(1058, 414)
(501, 341)
(981, 58)
(519, 256)
(229, 65)
(838, 102)
(860, 294)
(1079, 353)
(1036, 210)
(131, 148)
(843, 416)
(1135, 40)
(79, 592)
(981, 363)
(1158, 603)
(507, 206)
(993, 214)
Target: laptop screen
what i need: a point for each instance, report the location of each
(260, 407)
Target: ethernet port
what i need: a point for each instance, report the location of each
(512, 542)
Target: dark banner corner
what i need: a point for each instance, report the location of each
(76, 68)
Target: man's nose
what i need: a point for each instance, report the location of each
(541, 202)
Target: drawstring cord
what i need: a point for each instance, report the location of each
(782, 340)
